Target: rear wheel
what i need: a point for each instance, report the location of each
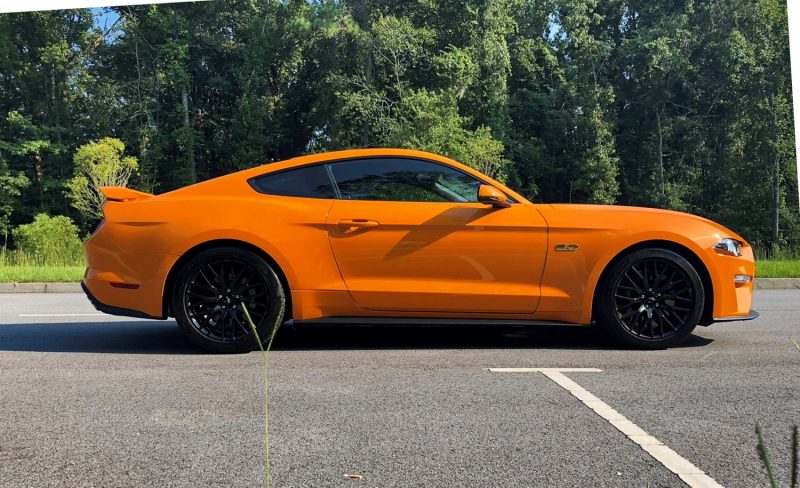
(208, 294)
(650, 299)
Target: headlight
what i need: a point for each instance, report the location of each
(729, 247)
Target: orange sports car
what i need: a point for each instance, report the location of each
(390, 235)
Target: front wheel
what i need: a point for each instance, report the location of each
(650, 299)
(208, 294)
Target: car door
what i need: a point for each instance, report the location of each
(409, 235)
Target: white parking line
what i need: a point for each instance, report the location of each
(60, 314)
(688, 472)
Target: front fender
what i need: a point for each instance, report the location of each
(598, 234)
(639, 240)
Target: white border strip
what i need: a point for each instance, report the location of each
(7, 6)
(60, 314)
(688, 472)
(793, 14)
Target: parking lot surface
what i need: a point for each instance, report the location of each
(92, 400)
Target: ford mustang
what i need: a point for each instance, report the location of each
(389, 235)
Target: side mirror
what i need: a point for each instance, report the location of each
(490, 195)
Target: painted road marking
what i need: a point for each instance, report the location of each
(708, 355)
(60, 314)
(688, 472)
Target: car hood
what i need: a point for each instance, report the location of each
(651, 214)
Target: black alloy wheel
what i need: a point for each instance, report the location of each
(652, 298)
(209, 292)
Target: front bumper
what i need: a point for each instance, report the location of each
(750, 316)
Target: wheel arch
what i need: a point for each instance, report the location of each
(698, 264)
(169, 283)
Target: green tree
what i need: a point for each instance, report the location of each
(28, 148)
(588, 47)
(98, 164)
(655, 120)
(681, 104)
(11, 186)
(44, 58)
(430, 122)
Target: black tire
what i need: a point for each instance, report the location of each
(650, 299)
(208, 292)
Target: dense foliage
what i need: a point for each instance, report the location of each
(676, 104)
(50, 241)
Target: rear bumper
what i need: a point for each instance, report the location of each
(126, 312)
(750, 316)
(125, 283)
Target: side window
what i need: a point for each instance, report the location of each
(403, 179)
(308, 181)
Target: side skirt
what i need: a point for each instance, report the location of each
(418, 321)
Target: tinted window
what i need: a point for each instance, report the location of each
(402, 179)
(309, 181)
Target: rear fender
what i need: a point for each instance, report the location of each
(247, 238)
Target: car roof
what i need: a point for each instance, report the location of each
(374, 152)
(214, 185)
(351, 154)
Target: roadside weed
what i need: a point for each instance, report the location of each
(265, 375)
(765, 461)
(764, 454)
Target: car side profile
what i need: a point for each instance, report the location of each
(391, 235)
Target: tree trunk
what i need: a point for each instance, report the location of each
(776, 199)
(39, 170)
(659, 112)
(369, 68)
(776, 176)
(55, 94)
(361, 15)
(188, 136)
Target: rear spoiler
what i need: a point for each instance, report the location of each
(121, 194)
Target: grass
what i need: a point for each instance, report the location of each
(19, 267)
(16, 267)
(778, 268)
(28, 273)
(33, 273)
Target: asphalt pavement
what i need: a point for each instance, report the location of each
(92, 400)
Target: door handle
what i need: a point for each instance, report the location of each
(364, 223)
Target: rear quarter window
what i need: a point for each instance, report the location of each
(308, 182)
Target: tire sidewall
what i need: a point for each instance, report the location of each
(606, 313)
(247, 342)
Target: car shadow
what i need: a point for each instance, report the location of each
(121, 337)
(163, 337)
(347, 337)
